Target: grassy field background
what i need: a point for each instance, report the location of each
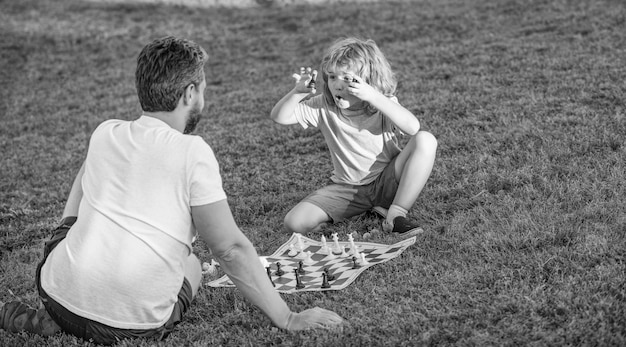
(525, 212)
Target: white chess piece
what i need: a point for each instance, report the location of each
(324, 249)
(307, 259)
(209, 268)
(292, 251)
(363, 260)
(338, 248)
(299, 244)
(353, 248)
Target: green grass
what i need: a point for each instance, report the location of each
(525, 210)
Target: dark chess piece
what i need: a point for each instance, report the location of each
(329, 276)
(299, 284)
(279, 271)
(269, 275)
(325, 283)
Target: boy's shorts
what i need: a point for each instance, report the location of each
(95, 331)
(342, 201)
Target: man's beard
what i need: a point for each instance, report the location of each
(192, 119)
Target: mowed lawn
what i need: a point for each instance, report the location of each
(525, 211)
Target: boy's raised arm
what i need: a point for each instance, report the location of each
(284, 110)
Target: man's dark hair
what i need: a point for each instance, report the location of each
(165, 67)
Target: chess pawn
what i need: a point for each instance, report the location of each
(307, 259)
(325, 283)
(355, 265)
(363, 260)
(292, 251)
(329, 276)
(279, 271)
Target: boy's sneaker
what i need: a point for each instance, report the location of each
(16, 316)
(403, 227)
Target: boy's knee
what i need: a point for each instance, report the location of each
(293, 223)
(425, 141)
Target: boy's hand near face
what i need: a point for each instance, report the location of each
(359, 88)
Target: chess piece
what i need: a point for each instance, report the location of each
(209, 268)
(300, 269)
(329, 276)
(299, 284)
(292, 251)
(269, 275)
(307, 259)
(338, 248)
(312, 82)
(299, 243)
(325, 283)
(324, 249)
(363, 260)
(279, 271)
(354, 264)
(353, 248)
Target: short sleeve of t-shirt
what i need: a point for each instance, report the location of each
(205, 179)
(308, 112)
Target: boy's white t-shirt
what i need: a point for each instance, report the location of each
(360, 146)
(122, 263)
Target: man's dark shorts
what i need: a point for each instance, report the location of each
(92, 330)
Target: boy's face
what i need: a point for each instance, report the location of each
(339, 80)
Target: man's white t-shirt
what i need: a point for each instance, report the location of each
(122, 263)
(360, 145)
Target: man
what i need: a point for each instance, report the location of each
(121, 264)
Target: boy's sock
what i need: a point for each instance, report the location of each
(393, 212)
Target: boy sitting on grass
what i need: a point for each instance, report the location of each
(358, 115)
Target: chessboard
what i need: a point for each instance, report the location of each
(318, 269)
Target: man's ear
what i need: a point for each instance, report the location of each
(189, 94)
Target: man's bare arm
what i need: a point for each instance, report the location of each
(238, 258)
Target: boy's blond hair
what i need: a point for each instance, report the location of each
(367, 59)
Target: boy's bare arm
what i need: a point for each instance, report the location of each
(404, 119)
(284, 110)
(238, 258)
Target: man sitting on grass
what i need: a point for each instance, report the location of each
(121, 265)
